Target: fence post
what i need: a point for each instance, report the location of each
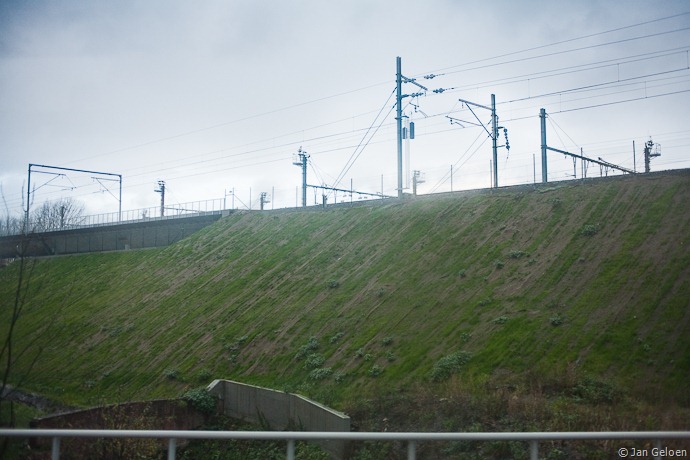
(172, 447)
(291, 449)
(55, 454)
(534, 449)
(411, 450)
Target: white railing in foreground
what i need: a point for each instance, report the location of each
(658, 451)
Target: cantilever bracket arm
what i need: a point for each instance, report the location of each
(474, 104)
(412, 80)
(600, 161)
(469, 106)
(480, 122)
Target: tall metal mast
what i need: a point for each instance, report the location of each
(493, 134)
(544, 172)
(398, 119)
(399, 80)
(650, 152)
(302, 161)
(161, 190)
(494, 137)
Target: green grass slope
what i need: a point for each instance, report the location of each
(509, 286)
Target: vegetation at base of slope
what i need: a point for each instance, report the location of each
(465, 405)
(499, 286)
(246, 449)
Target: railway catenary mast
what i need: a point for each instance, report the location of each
(651, 150)
(301, 160)
(161, 190)
(399, 80)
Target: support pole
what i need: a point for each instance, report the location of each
(161, 190)
(650, 151)
(494, 135)
(398, 118)
(416, 180)
(263, 200)
(119, 210)
(302, 162)
(28, 202)
(304, 179)
(534, 450)
(55, 453)
(291, 449)
(582, 166)
(544, 174)
(406, 137)
(172, 447)
(411, 450)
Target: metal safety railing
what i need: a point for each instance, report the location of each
(658, 451)
(171, 211)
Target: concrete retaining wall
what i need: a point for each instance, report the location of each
(280, 410)
(159, 414)
(149, 234)
(162, 414)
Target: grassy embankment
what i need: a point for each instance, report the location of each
(574, 290)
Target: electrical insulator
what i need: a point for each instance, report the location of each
(412, 130)
(505, 133)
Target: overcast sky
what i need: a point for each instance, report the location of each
(212, 96)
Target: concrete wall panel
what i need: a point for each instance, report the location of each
(281, 410)
(110, 241)
(155, 233)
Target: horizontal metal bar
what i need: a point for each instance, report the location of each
(611, 165)
(475, 104)
(76, 170)
(592, 160)
(350, 191)
(352, 436)
(568, 153)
